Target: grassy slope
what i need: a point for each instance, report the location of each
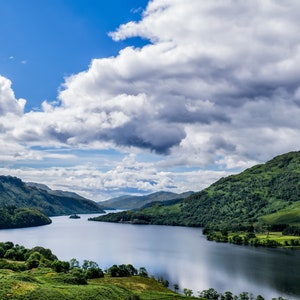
(46, 284)
(289, 215)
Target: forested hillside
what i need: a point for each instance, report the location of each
(266, 194)
(13, 217)
(15, 192)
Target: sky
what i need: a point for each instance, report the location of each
(106, 98)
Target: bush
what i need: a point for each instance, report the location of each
(94, 273)
(143, 272)
(60, 266)
(210, 294)
(122, 271)
(76, 276)
(291, 230)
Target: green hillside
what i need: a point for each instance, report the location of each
(12, 217)
(15, 192)
(38, 274)
(243, 199)
(261, 196)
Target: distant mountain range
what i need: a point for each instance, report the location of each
(15, 192)
(135, 202)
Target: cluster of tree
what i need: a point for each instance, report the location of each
(212, 294)
(126, 271)
(11, 255)
(163, 281)
(247, 238)
(292, 230)
(162, 213)
(13, 217)
(38, 257)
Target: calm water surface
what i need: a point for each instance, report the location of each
(181, 255)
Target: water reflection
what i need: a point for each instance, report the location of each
(181, 255)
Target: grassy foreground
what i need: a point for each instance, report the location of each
(48, 285)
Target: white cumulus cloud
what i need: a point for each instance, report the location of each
(217, 85)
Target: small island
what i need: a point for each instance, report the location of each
(74, 216)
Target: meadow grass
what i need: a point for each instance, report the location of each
(289, 215)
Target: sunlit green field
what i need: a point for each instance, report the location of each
(277, 236)
(289, 215)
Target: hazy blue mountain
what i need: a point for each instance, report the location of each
(134, 202)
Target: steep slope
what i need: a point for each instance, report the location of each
(134, 202)
(14, 192)
(55, 192)
(235, 202)
(245, 198)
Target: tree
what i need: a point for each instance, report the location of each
(210, 294)
(91, 269)
(244, 296)
(2, 252)
(78, 276)
(123, 271)
(74, 263)
(176, 287)
(33, 260)
(60, 266)
(10, 254)
(114, 271)
(46, 253)
(21, 252)
(94, 273)
(143, 272)
(228, 296)
(187, 292)
(8, 245)
(131, 269)
(163, 281)
(88, 264)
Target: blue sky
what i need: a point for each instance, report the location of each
(105, 98)
(44, 41)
